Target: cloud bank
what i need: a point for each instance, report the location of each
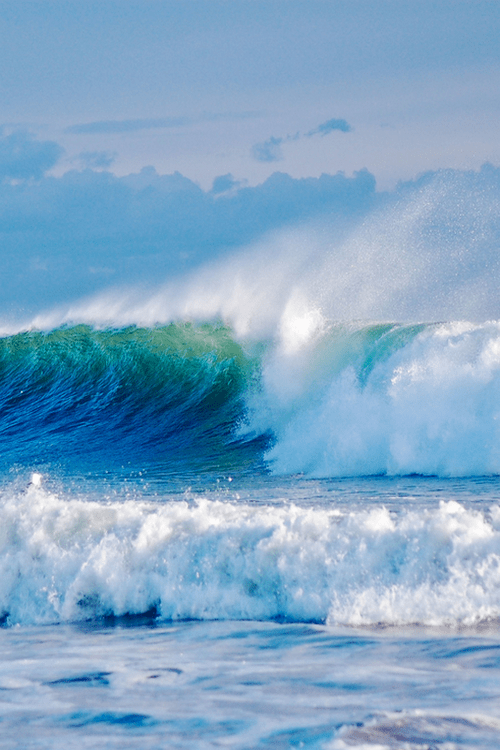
(427, 250)
(63, 237)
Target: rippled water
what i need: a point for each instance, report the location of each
(248, 685)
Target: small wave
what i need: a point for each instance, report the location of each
(64, 559)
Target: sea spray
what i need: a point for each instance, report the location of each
(428, 252)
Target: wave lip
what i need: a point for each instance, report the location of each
(66, 560)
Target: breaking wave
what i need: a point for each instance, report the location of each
(319, 399)
(64, 559)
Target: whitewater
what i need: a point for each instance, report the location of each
(258, 505)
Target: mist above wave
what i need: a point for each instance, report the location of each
(427, 252)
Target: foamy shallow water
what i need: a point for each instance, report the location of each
(106, 679)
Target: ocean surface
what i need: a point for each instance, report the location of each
(217, 536)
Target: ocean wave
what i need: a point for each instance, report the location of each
(65, 559)
(319, 398)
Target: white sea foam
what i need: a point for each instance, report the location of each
(430, 407)
(67, 559)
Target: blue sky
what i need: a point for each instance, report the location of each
(139, 140)
(201, 86)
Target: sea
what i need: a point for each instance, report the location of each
(257, 505)
(215, 535)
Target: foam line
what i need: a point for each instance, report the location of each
(64, 559)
